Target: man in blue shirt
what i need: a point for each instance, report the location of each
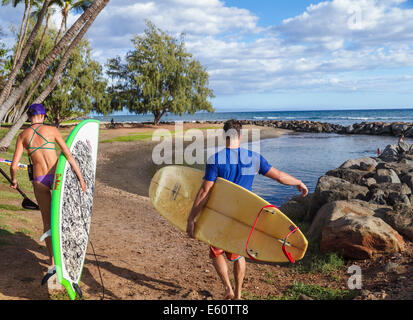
(239, 166)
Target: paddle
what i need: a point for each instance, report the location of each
(27, 203)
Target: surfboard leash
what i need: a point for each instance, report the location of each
(284, 247)
(93, 249)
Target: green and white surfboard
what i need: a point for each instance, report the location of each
(72, 208)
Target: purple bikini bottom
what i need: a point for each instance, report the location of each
(47, 180)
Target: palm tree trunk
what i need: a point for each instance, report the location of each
(36, 59)
(19, 43)
(7, 90)
(60, 30)
(8, 138)
(25, 31)
(91, 13)
(6, 141)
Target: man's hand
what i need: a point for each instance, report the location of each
(190, 228)
(303, 189)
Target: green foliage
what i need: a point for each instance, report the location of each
(317, 292)
(316, 262)
(81, 87)
(159, 76)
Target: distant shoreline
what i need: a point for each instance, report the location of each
(366, 128)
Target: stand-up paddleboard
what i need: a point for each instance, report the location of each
(72, 208)
(234, 219)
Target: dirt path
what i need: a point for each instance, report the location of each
(142, 256)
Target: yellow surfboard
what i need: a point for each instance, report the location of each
(234, 219)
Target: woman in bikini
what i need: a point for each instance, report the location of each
(40, 142)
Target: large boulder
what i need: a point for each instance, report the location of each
(386, 176)
(360, 237)
(297, 208)
(400, 219)
(333, 189)
(334, 210)
(351, 175)
(390, 154)
(390, 194)
(358, 163)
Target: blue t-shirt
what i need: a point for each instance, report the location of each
(236, 165)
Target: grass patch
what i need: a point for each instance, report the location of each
(63, 295)
(10, 207)
(129, 138)
(132, 136)
(316, 262)
(317, 292)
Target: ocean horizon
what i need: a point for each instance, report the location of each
(342, 117)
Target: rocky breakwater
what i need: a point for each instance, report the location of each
(364, 208)
(367, 128)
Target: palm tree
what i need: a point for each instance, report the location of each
(7, 89)
(65, 46)
(66, 7)
(28, 5)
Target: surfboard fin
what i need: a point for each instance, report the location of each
(46, 235)
(49, 274)
(77, 289)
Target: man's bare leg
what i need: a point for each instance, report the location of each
(222, 269)
(239, 274)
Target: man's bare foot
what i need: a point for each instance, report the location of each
(229, 294)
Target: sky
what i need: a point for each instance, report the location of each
(275, 54)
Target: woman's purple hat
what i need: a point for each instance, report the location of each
(36, 108)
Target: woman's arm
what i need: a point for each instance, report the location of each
(286, 179)
(70, 159)
(199, 203)
(18, 152)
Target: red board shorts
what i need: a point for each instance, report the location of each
(215, 252)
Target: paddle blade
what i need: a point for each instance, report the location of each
(29, 204)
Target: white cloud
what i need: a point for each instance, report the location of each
(334, 45)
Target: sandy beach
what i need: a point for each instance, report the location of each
(141, 255)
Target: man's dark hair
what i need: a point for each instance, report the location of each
(233, 125)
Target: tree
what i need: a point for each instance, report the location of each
(81, 88)
(159, 76)
(65, 47)
(9, 95)
(3, 61)
(67, 6)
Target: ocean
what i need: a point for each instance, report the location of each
(306, 156)
(343, 117)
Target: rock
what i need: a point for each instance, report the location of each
(368, 182)
(351, 175)
(389, 194)
(404, 147)
(334, 210)
(399, 168)
(360, 237)
(390, 153)
(333, 189)
(408, 180)
(297, 207)
(386, 176)
(304, 297)
(357, 163)
(400, 219)
(391, 267)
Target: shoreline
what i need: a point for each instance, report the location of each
(364, 128)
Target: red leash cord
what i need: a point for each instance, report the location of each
(284, 249)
